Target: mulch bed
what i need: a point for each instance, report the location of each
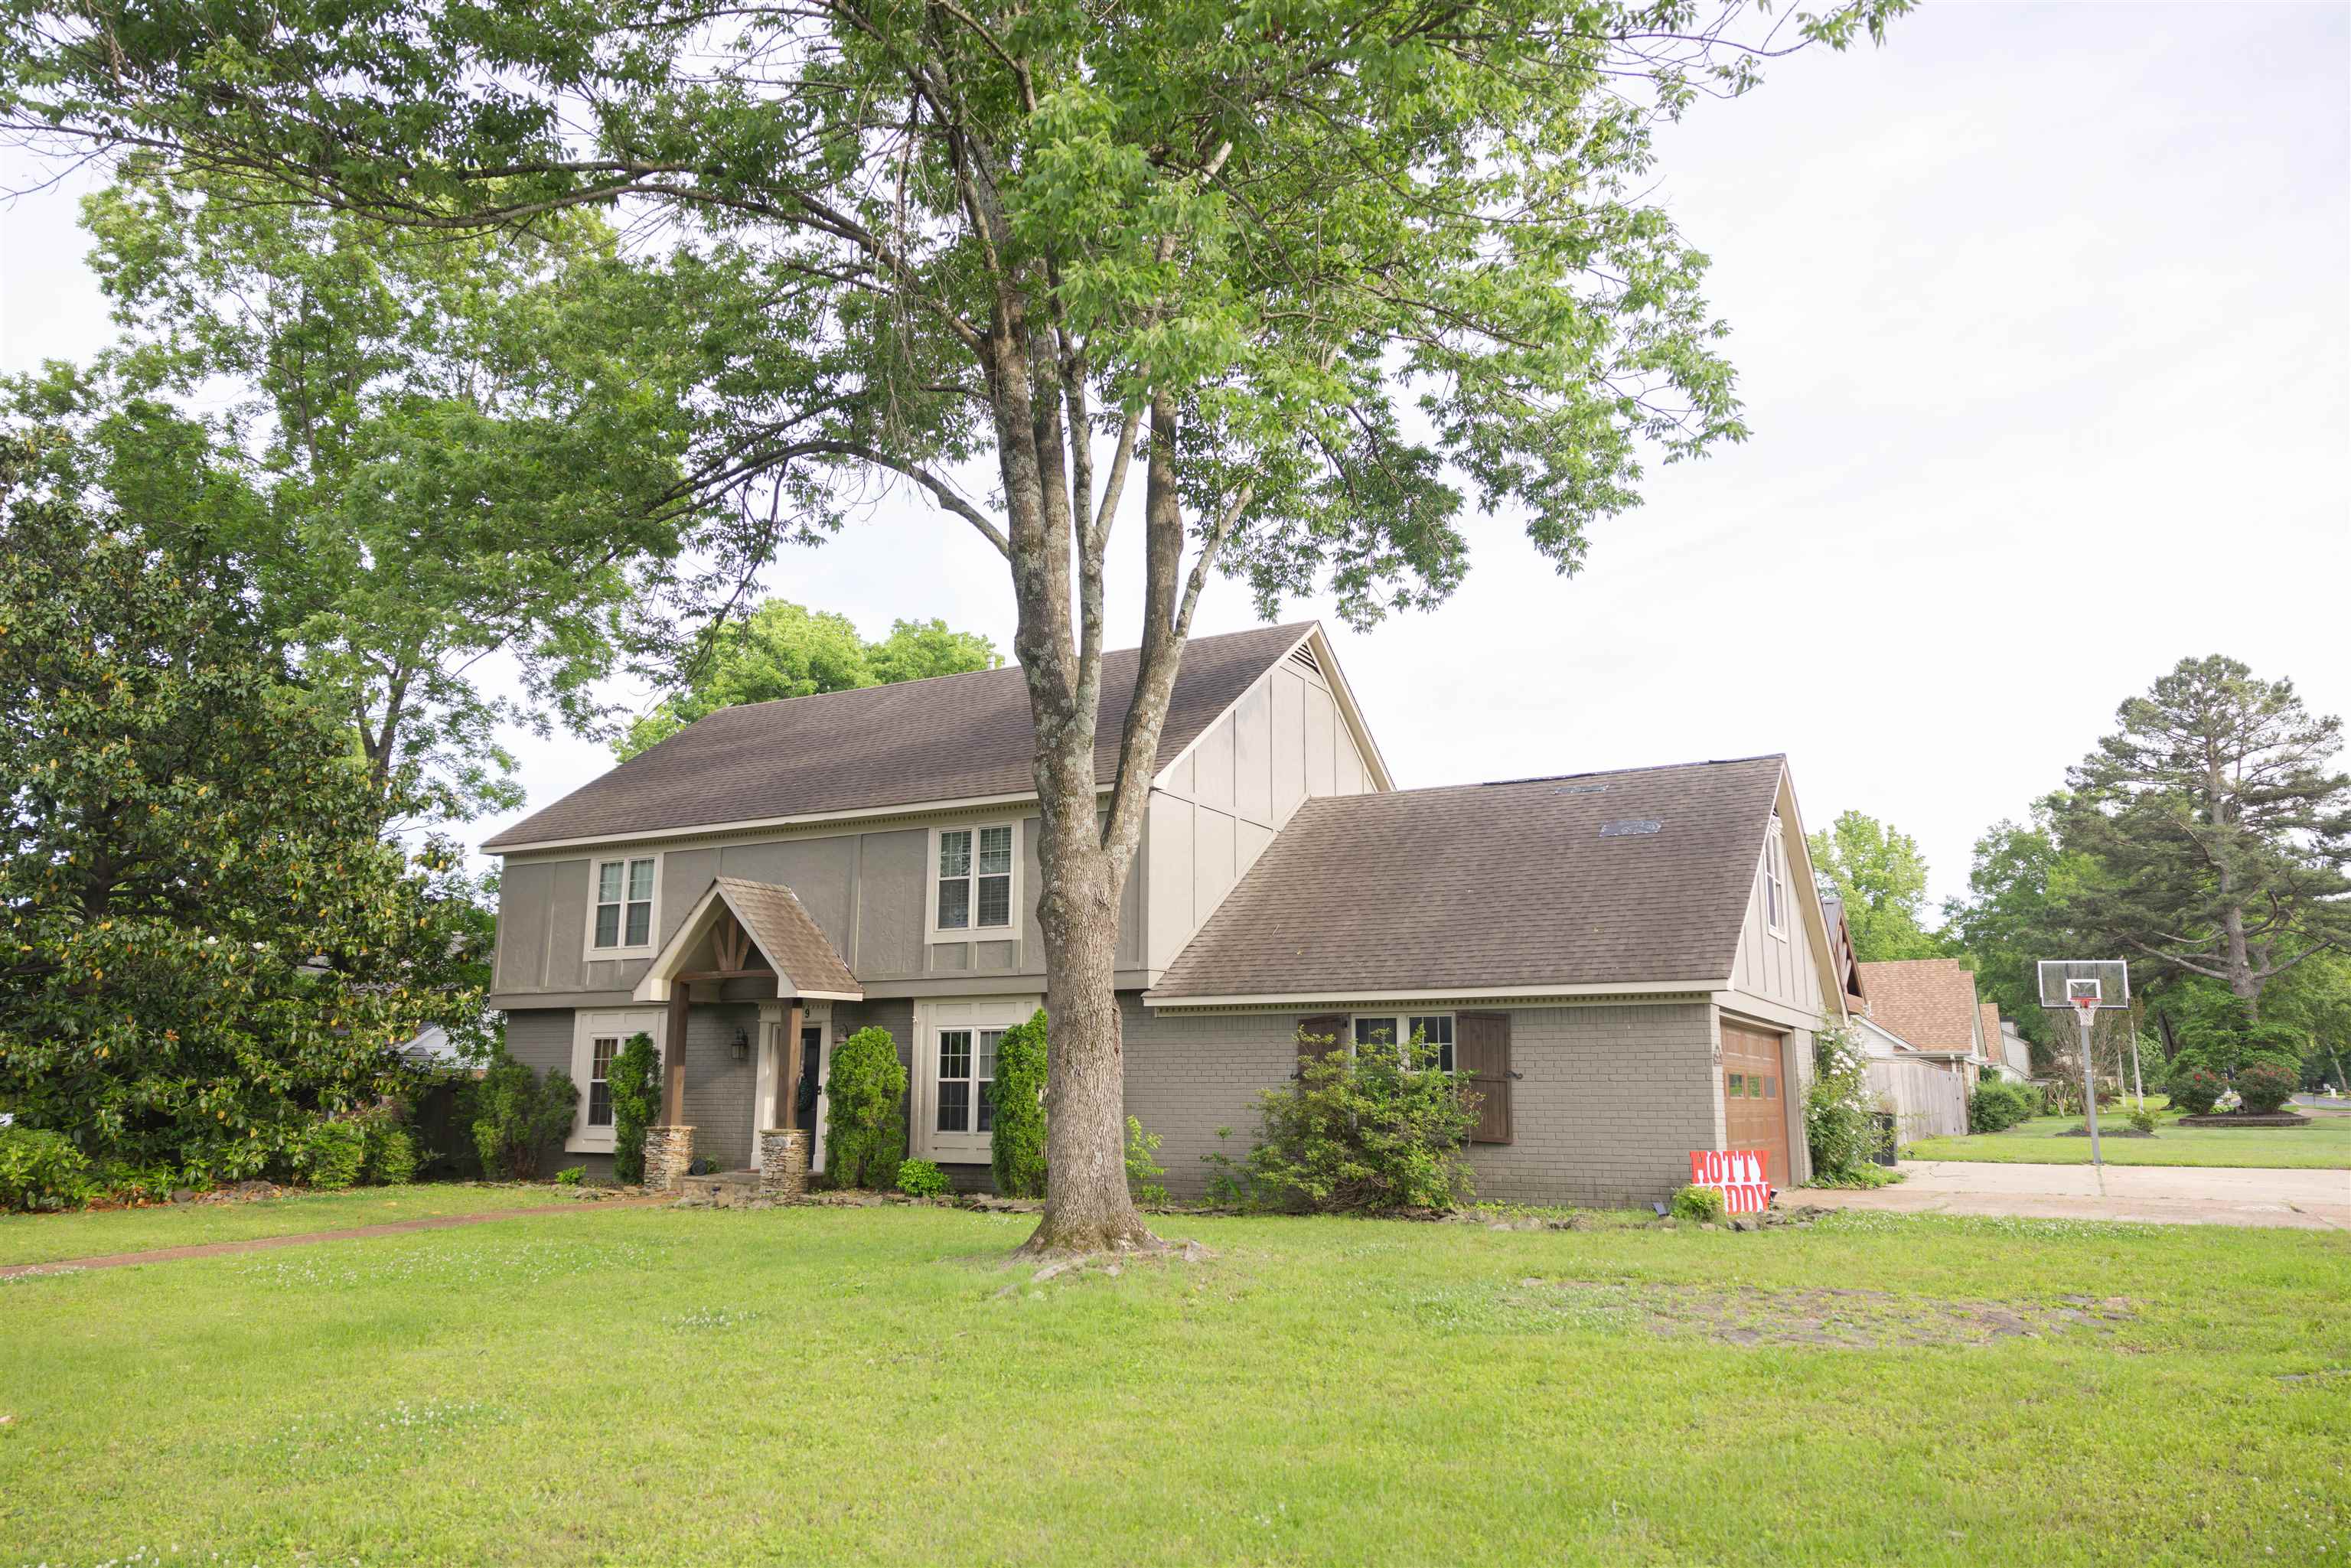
(2243, 1119)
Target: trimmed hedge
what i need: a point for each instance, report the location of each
(2192, 1085)
(1997, 1106)
(920, 1178)
(41, 1170)
(333, 1154)
(2265, 1083)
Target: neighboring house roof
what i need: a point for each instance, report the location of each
(805, 961)
(1841, 946)
(951, 737)
(1494, 886)
(1930, 1003)
(1989, 1013)
(1879, 1042)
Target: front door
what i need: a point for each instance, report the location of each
(1754, 1096)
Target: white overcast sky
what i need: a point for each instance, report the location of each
(2042, 319)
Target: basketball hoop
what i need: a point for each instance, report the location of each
(2085, 987)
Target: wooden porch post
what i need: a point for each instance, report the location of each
(788, 1077)
(674, 1056)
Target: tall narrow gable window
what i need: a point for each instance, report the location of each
(975, 880)
(623, 915)
(1775, 883)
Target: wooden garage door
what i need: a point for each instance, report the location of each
(1754, 1087)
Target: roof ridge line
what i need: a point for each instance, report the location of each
(1008, 666)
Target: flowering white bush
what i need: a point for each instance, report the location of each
(1838, 1124)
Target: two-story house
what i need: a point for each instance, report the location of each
(1629, 964)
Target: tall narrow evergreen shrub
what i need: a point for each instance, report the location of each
(865, 1130)
(634, 1078)
(1016, 1110)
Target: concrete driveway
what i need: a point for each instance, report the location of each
(2161, 1194)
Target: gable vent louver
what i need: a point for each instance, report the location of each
(1631, 827)
(1303, 657)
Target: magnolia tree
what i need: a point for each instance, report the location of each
(1293, 283)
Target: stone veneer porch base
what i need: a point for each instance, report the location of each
(783, 1162)
(668, 1151)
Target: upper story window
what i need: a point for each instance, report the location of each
(975, 879)
(622, 918)
(1397, 1029)
(1775, 882)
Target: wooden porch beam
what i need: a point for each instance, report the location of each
(673, 1055)
(787, 1078)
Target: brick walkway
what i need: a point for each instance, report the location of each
(356, 1233)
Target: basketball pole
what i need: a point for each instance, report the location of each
(2090, 1090)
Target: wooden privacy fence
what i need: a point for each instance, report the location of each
(1926, 1101)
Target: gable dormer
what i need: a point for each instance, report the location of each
(1295, 734)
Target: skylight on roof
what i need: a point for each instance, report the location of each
(1629, 827)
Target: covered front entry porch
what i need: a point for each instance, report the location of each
(744, 943)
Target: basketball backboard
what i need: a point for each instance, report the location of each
(2066, 982)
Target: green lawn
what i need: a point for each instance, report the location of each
(45, 1237)
(826, 1386)
(2325, 1145)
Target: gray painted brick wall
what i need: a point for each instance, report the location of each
(540, 1038)
(718, 1089)
(1610, 1101)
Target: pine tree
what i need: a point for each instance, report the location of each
(2222, 839)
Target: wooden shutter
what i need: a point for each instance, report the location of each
(1481, 1049)
(1328, 1033)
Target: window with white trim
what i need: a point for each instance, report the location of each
(974, 889)
(623, 917)
(597, 1036)
(1775, 883)
(1397, 1029)
(601, 1049)
(966, 1077)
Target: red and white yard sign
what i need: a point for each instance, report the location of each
(1739, 1174)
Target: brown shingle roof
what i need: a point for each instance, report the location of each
(773, 916)
(1989, 1013)
(949, 739)
(1929, 1002)
(1488, 885)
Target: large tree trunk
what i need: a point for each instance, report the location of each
(1087, 1208)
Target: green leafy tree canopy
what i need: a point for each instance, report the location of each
(781, 650)
(209, 946)
(458, 464)
(1880, 873)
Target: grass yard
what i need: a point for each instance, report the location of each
(821, 1386)
(2325, 1145)
(45, 1237)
